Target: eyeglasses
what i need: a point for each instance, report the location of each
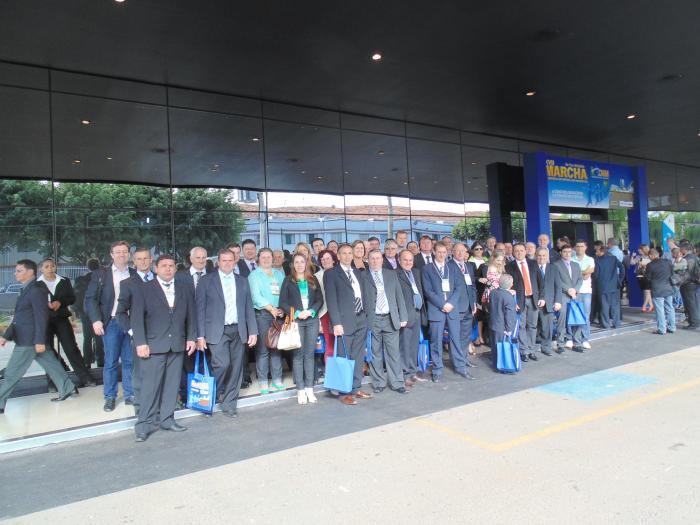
(478, 249)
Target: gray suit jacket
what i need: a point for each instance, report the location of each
(211, 308)
(549, 287)
(155, 325)
(566, 282)
(394, 297)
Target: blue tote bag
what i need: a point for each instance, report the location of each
(423, 353)
(320, 345)
(201, 388)
(369, 356)
(576, 314)
(339, 370)
(508, 354)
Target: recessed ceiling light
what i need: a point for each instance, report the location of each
(255, 139)
(631, 116)
(109, 158)
(469, 182)
(120, 1)
(320, 177)
(375, 177)
(380, 152)
(405, 183)
(76, 161)
(530, 93)
(692, 187)
(474, 163)
(85, 122)
(377, 56)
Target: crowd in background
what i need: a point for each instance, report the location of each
(143, 323)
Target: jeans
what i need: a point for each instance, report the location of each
(117, 344)
(303, 363)
(585, 298)
(665, 314)
(266, 358)
(677, 300)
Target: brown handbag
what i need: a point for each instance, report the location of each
(273, 334)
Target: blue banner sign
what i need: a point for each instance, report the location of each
(587, 184)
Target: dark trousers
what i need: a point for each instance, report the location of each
(93, 348)
(62, 329)
(160, 378)
(409, 337)
(545, 328)
(610, 309)
(466, 324)
(457, 355)
(228, 358)
(356, 344)
(527, 331)
(690, 301)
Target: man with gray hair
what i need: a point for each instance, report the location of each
(501, 313)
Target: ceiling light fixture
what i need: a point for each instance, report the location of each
(120, 1)
(109, 158)
(255, 139)
(85, 122)
(631, 116)
(377, 56)
(530, 93)
(76, 161)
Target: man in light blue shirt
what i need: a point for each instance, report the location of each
(614, 249)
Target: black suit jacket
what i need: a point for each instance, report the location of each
(467, 299)
(128, 289)
(414, 316)
(549, 287)
(608, 274)
(211, 308)
(386, 264)
(501, 311)
(394, 297)
(243, 269)
(99, 297)
(31, 320)
(513, 268)
(340, 298)
(659, 273)
(419, 261)
(290, 297)
(153, 322)
(65, 294)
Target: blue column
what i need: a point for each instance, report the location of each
(536, 196)
(638, 225)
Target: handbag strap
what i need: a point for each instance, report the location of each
(335, 346)
(196, 363)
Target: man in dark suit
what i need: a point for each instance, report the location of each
(527, 292)
(93, 350)
(659, 272)
(390, 257)
(101, 301)
(190, 279)
(409, 335)
(543, 242)
(443, 287)
(467, 304)
(225, 321)
(347, 301)
(28, 331)
(61, 296)
(549, 301)
(386, 315)
(607, 281)
(248, 262)
(128, 289)
(502, 321)
(570, 281)
(163, 321)
(425, 256)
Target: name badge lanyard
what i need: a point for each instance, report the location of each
(445, 279)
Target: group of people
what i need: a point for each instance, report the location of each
(354, 299)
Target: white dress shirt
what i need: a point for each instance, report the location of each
(228, 283)
(117, 277)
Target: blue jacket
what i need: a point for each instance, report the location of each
(435, 297)
(608, 274)
(467, 295)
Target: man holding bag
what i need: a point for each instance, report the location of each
(162, 318)
(570, 282)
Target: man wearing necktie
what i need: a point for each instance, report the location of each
(570, 282)
(467, 304)
(347, 301)
(386, 315)
(130, 288)
(163, 325)
(225, 321)
(409, 335)
(425, 256)
(527, 295)
(443, 291)
(549, 299)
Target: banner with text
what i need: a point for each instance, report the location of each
(587, 184)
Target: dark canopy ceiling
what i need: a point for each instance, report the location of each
(463, 64)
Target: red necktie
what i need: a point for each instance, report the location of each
(526, 278)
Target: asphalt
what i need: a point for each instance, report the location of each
(52, 476)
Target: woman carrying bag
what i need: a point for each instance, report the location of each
(301, 293)
(265, 285)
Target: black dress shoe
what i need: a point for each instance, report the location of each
(141, 437)
(88, 381)
(466, 375)
(435, 379)
(230, 413)
(533, 356)
(110, 403)
(559, 350)
(378, 389)
(174, 428)
(547, 352)
(471, 364)
(2, 411)
(58, 399)
(401, 390)
(524, 358)
(129, 400)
